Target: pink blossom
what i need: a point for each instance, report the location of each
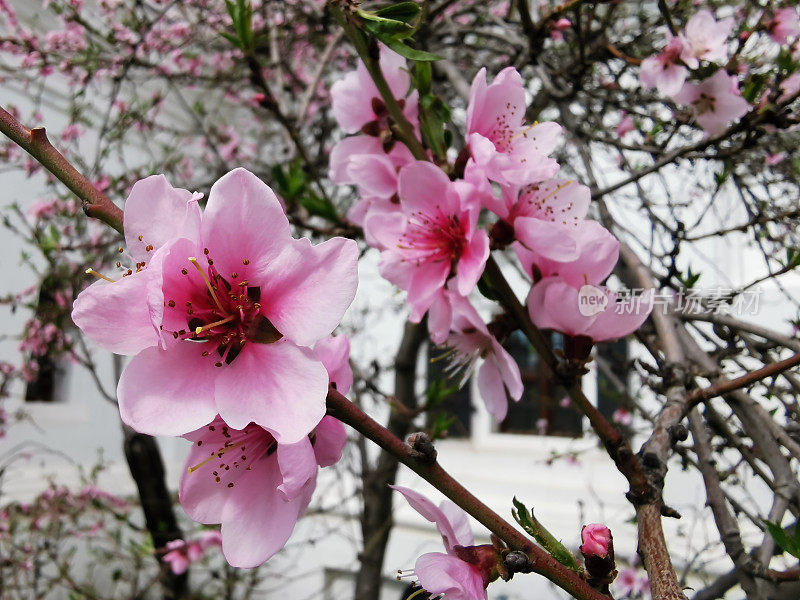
(554, 304)
(597, 252)
(357, 103)
(334, 354)
(622, 416)
(547, 217)
(434, 238)
(705, 38)
(631, 582)
(774, 159)
(596, 540)
(447, 573)
(664, 71)
(221, 311)
(790, 87)
(254, 486)
(625, 125)
(507, 151)
(715, 101)
(785, 24)
(181, 554)
(470, 340)
(71, 132)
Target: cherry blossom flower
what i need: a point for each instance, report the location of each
(221, 311)
(507, 151)
(785, 24)
(789, 86)
(631, 582)
(547, 217)
(434, 238)
(715, 101)
(597, 249)
(596, 540)
(664, 70)
(357, 103)
(625, 125)
(554, 304)
(180, 553)
(705, 38)
(254, 486)
(470, 340)
(457, 574)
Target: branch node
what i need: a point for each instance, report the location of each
(422, 448)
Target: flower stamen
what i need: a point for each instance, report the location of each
(217, 454)
(193, 260)
(199, 330)
(99, 275)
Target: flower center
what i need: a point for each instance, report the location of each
(225, 315)
(434, 238)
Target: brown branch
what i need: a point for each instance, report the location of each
(541, 562)
(34, 141)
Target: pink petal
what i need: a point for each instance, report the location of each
(116, 315)
(424, 187)
(351, 100)
(444, 574)
(279, 386)
(374, 174)
(492, 390)
(244, 221)
(257, 521)
(298, 466)
(307, 290)
(330, 439)
(551, 240)
(168, 392)
(334, 353)
(440, 317)
(459, 521)
(178, 216)
(470, 267)
(620, 320)
(347, 149)
(508, 369)
(432, 513)
(553, 304)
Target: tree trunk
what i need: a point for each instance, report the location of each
(376, 518)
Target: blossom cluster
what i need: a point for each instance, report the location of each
(228, 319)
(715, 100)
(432, 227)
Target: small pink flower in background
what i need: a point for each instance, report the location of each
(180, 553)
(785, 24)
(774, 159)
(631, 582)
(470, 339)
(705, 38)
(255, 487)
(433, 239)
(596, 540)
(221, 311)
(557, 28)
(448, 574)
(71, 132)
(625, 125)
(789, 86)
(506, 150)
(357, 103)
(622, 416)
(715, 101)
(663, 71)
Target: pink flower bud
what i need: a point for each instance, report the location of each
(596, 539)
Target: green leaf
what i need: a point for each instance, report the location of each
(319, 206)
(406, 51)
(530, 524)
(401, 11)
(380, 26)
(439, 390)
(441, 425)
(423, 74)
(784, 540)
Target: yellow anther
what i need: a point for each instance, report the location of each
(98, 275)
